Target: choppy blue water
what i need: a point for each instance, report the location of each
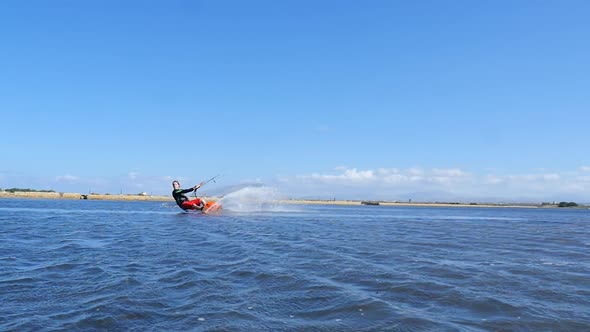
(137, 266)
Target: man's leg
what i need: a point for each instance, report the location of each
(198, 203)
(195, 204)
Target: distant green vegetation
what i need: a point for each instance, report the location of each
(567, 204)
(13, 190)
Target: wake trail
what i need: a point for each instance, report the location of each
(254, 199)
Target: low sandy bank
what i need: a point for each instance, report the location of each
(102, 197)
(426, 204)
(45, 195)
(55, 195)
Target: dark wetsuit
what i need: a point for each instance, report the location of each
(184, 202)
(180, 197)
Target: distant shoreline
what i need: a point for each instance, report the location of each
(421, 204)
(160, 198)
(55, 195)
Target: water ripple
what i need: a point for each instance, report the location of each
(81, 265)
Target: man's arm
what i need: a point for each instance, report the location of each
(185, 191)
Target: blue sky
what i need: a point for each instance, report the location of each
(346, 99)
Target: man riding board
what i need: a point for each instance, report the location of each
(183, 201)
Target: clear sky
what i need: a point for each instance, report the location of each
(345, 99)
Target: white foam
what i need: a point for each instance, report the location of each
(254, 199)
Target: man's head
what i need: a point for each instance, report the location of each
(175, 184)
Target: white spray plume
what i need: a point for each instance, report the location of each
(253, 199)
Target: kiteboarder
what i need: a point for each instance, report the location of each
(183, 201)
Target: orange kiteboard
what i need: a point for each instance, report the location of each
(211, 207)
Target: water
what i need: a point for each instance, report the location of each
(136, 266)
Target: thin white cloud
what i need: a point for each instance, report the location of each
(492, 179)
(388, 176)
(534, 177)
(451, 172)
(255, 180)
(387, 171)
(441, 183)
(67, 178)
(346, 175)
(551, 177)
(129, 183)
(415, 171)
(394, 178)
(585, 169)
